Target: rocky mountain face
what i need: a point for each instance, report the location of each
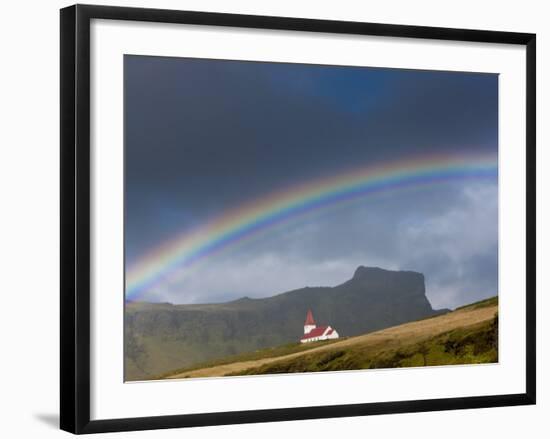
(161, 337)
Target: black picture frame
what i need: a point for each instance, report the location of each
(75, 217)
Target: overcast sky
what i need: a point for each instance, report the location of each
(203, 136)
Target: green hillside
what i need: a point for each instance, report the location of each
(163, 337)
(491, 301)
(464, 336)
(274, 352)
(471, 345)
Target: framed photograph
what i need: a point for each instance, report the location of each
(268, 218)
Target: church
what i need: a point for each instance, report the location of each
(312, 332)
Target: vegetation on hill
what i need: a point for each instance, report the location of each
(464, 336)
(162, 337)
(278, 351)
(491, 301)
(470, 345)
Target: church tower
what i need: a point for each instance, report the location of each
(309, 325)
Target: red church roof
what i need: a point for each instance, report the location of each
(309, 318)
(316, 332)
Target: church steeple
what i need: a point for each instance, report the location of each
(309, 323)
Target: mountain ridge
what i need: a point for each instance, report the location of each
(162, 336)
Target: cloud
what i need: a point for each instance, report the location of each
(457, 249)
(203, 136)
(449, 233)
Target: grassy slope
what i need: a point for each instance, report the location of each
(471, 345)
(274, 352)
(162, 337)
(425, 342)
(491, 301)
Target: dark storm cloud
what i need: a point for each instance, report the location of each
(202, 136)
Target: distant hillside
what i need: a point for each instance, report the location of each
(465, 336)
(162, 337)
(407, 345)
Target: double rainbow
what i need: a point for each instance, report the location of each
(247, 220)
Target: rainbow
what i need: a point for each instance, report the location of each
(247, 220)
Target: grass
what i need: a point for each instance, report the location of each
(491, 301)
(277, 351)
(471, 345)
(465, 336)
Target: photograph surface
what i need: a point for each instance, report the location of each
(286, 218)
